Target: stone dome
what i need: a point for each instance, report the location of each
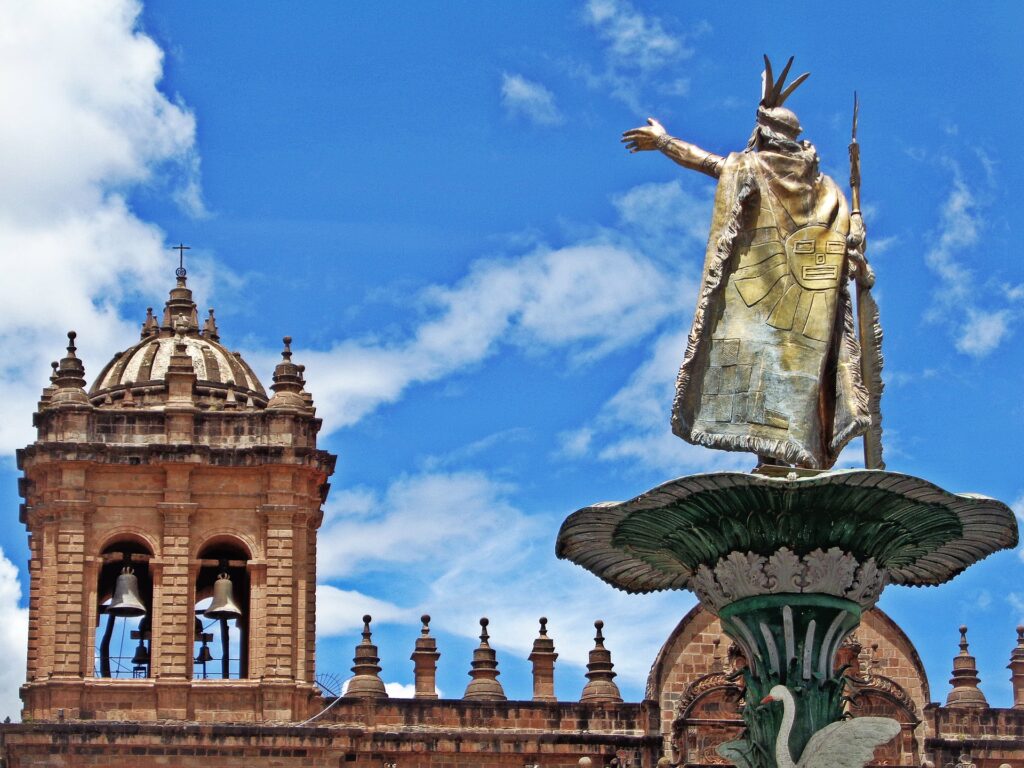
(138, 374)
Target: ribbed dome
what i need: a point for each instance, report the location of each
(221, 375)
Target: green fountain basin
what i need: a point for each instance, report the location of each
(912, 531)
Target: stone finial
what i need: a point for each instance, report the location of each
(150, 327)
(128, 401)
(1016, 667)
(307, 397)
(69, 377)
(543, 657)
(287, 384)
(484, 686)
(600, 687)
(424, 659)
(180, 309)
(366, 683)
(47, 394)
(965, 693)
(210, 327)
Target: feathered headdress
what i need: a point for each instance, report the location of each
(774, 93)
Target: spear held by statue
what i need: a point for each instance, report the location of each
(869, 328)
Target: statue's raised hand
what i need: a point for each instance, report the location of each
(644, 138)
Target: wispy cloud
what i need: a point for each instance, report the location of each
(341, 611)
(13, 639)
(638, 49)
(632, 427)
(634, 40)
(525, 98)
(588, 299)
(978, 328)
(82, 121)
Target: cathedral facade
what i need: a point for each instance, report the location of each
(172, 510)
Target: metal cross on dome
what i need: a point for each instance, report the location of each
(180, 271)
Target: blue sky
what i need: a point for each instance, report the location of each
(490, 295)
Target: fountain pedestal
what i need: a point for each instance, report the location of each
(788, 563)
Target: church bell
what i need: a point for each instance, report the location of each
(141, 655)
(126, 600)
(204, 655)
(223, 605)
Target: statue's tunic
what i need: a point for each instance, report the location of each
(773, 365)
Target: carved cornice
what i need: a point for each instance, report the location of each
(886, 687)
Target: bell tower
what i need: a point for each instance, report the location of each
(172, 512)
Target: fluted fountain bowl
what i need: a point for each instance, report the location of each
(734, 535)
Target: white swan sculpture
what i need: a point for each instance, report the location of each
(845, 744)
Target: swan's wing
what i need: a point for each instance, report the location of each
(848, 743)
(737, 752)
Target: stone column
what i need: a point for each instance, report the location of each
(1016, 667)
(543, 658)
(424, 659)
(280, 622)
(173, 619)
(68, 639)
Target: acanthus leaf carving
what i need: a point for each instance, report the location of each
(830, 572)
(785, 572)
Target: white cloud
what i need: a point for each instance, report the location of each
(522, 97)
(983, 331)
(637, 47)
(958, 229)
(401, 690)
(341, 611)
(81, 122)
(456, 547)
(667, 209)
(634, 40)
(397, 690)
(634, 425)
(419, 520)
(589, 299)
(977, 330)
(1016, 602)
(13, 639)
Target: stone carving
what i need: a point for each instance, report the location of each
(831, 572)
(845, 744)
(785, 572)
(742, 575)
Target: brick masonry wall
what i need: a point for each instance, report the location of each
(414, 734)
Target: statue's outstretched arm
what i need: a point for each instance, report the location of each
(654, 136)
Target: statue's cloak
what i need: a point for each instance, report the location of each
(772, 364)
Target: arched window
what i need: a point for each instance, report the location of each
(124, 601)
(221, 640)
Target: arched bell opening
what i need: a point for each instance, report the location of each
(221, 632)
(124, 605)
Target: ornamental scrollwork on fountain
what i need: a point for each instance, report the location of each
(828, 572)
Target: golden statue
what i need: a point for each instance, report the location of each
(774, 365)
